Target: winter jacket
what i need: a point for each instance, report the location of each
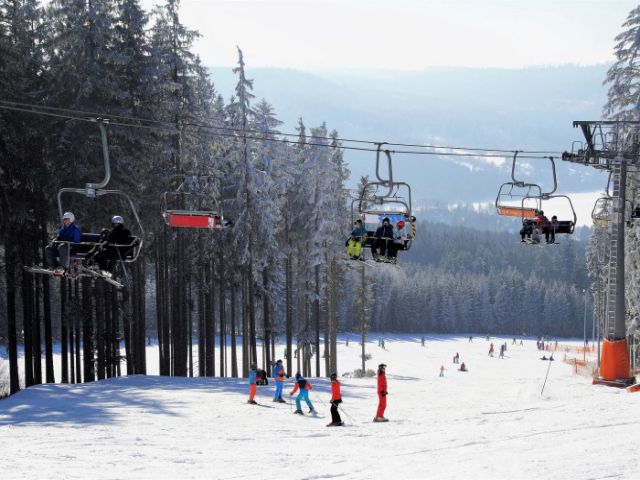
(335, 391)
(382, 383)
(358, 232)
(278, 372)
(302, 384)
(71, 233)
(252, 377)
(542, 221)
(384, 231)
(119, 236)
(399, 235)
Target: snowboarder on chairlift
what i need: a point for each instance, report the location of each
(69, 233)
(252, 384)
(304, 387)
(336, 399)
(279, 375)
(382, 394)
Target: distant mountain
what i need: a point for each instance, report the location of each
(530, 108)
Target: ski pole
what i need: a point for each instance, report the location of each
(348, 416)
(545, 378)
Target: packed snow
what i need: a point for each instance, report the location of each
(491, 421)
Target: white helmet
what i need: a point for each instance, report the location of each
(117, 219)
(70, 216)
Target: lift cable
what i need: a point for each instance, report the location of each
(135, 122)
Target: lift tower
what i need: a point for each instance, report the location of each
(612, 146)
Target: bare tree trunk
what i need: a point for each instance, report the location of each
(234, 355)
(222, 314)
(37, 341)
(209, 322)
(64, 329)
(27, 324)
(316, 314)
(266, 321)
(10, 279)
(100, 330)
(288, 314)
(202, 343)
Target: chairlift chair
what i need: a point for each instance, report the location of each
(91, 242)
(176, 215)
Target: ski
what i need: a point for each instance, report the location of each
(110, 280)
(41, 271)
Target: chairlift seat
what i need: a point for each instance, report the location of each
(192, 219)
(89, 241)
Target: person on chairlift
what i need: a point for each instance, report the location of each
(550, 232)
(57, 257)
(383, 239)
(107, 257)
(358, 236)
(399, 237)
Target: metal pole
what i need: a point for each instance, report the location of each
(619, 332)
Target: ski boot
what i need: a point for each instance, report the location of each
(252, 402)
(299, 412)
(380, 419)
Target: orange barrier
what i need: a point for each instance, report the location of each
(581, 367)
(634, 388)
(614, 360)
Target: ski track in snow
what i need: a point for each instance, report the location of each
(491, 421)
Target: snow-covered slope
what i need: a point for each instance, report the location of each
(489, 422)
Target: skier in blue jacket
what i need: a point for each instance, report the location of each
(279, 375)
(304, 387)
(69, 233)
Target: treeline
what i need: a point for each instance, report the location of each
(456, 279)
(285, 200)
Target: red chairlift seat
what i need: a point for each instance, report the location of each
(193, 219)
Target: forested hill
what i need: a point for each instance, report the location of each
(457, 279)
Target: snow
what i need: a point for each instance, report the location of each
(491, 421)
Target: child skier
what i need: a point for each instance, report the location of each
(252, 384)
(336, 399)
(382, 394)
(491, 350)
(279, 376)
(463, 367)
(304, 387)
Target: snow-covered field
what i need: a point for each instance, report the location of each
(491, 422)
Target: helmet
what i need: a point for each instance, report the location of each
(333, 376)
(279, 361)
(381, 366)
(70, 216)
(541, 212)
(385, 219)
(400, 224)
(117, 219)
(298, 375)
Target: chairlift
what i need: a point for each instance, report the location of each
(384, 198)
(92, 242)
(192, 206)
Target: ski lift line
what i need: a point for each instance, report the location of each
(160, 125)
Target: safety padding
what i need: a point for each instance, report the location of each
(614, 360)
(634, 388)
(192, 221)
(517, 212)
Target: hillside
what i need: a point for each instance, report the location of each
(489, 422)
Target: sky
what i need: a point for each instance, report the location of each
(404, 34)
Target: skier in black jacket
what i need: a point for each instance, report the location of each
(383, 235)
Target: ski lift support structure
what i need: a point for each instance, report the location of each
(613, 146)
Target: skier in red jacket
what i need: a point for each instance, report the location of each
(382, 394)
(336, 399)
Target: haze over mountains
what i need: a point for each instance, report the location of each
(527, 109)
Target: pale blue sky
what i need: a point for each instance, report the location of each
(405, 34)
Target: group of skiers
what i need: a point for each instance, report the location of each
(388, 239)
(303, 386)
(534, 227)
